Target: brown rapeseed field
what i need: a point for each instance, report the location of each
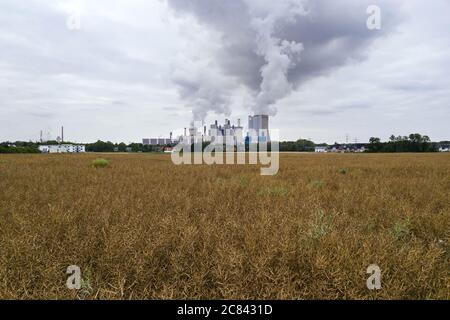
(143, 228)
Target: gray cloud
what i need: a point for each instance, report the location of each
(332, 33)
(137, 66)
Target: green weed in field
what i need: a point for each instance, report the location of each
(319, 184)
(100, 163)
(274, 191)
(321, 225)
(401, 229)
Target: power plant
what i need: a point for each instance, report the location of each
(258, 128)
(258, 131)
(228, 132)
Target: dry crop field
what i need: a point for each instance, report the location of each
(145, 228)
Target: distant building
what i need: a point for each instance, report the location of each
(62, 148)
(258, 125)
(321, 149)
(348, 148)
(232, 134)
(158, 141)
(228, 132)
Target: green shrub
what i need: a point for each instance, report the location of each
(274, 191)
(100, 163)
(401, 229)
(319, 184)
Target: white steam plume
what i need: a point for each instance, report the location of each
(259, 43)
(280, 55)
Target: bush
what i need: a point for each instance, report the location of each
(319, 184)
(100, 163)
(401, 229)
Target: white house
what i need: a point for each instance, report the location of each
(62, 148)
(321, 150)
(444, 149)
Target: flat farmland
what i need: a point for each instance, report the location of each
(143, 228)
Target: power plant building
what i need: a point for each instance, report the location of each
(228, 132)
(258, 131)
(258, 128)
(159, 141)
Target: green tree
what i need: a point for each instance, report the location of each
(375, 144)
(122, 147)
(100, 146)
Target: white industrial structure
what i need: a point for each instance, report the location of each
(156, 141)
(258, 128)
(228, 133)
(63, 148)
(159, 141)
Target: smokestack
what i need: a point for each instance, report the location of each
(41, 137)
(216, 123)
(185, 132)
(239, 123)
(204, 130)
(171, 137)
(62, 134)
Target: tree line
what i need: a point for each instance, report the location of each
(19, 147)
(415, 142)
(108, 146)
(412, 143)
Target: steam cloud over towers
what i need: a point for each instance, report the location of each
(269, 48)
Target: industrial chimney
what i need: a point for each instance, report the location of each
(185, 132)
(62, 134)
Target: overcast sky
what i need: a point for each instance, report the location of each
(128, 69)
